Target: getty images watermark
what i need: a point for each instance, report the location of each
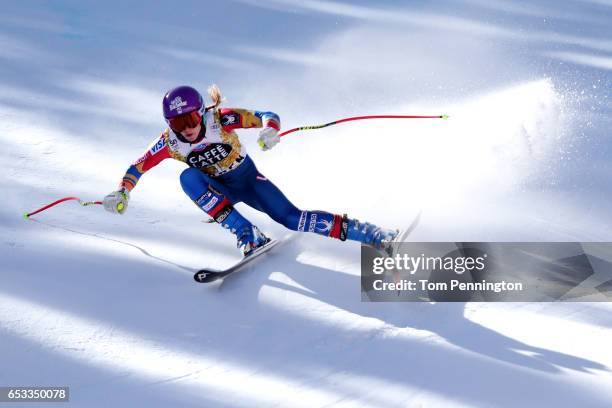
(476, 271)
(458, 265)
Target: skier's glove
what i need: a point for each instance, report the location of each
(117, 201)
(268, 138)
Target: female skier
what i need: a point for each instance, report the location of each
(221, 174)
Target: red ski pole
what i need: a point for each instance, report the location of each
(286, 132)
(61, 200)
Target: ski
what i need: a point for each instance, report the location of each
(403, 235)
(393, 247)
(211, 275)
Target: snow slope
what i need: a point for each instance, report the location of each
(106, 304)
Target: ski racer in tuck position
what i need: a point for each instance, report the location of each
(221, 173)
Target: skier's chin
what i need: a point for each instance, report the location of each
(191, 136)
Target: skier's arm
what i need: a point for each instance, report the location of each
(242, 118)
(117, 201)
(232, 118)
(155, 154)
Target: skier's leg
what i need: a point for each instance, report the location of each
(268, 198)
(213, 199)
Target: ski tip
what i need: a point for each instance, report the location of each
(445, 117)
(26, 216)
(204, 276)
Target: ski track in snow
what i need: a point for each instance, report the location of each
(107, 305)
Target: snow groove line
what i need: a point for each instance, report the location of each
(142, 250)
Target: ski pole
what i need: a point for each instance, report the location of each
(61, 200)
(286, 132)
(84, 204)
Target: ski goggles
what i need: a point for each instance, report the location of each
(182, 122)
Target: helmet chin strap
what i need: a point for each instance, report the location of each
(200, 135)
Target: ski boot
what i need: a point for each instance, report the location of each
(369, 234)
(249, 238)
